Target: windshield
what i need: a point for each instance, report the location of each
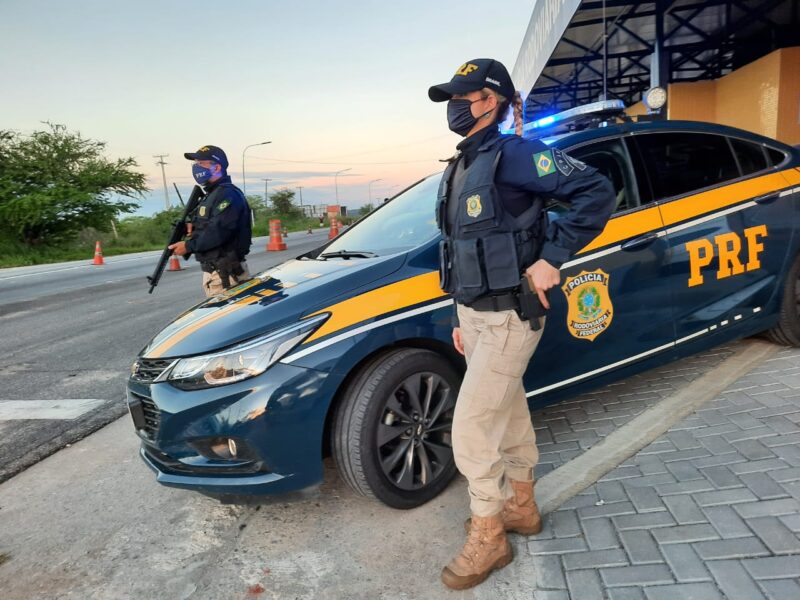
(407, 221)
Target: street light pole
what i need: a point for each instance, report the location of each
(244, 181)
(161, 162)
(266, 191)
(335, 182)
(369, 190)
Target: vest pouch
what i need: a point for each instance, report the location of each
(477, 209)
(467, 263)
(500, 258)
(445, 280)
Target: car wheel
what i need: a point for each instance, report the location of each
(787, 331)
(392, 430)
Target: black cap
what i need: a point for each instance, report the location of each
(209, 153)
(475, 75)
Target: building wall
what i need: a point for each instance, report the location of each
(763, 97)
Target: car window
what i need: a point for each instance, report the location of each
(681, 163)
(404, 222)
(610, 157)
(751, 156)
(776, 157)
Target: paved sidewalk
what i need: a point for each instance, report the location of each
(709, 510)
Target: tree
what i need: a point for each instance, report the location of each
(366, 209)
(283, 202)
(54, 183)
(257, 204)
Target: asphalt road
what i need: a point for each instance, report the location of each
(69, 334)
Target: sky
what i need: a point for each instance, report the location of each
(332, 85)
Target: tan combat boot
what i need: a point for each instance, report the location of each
(520, 513)
(486, 549)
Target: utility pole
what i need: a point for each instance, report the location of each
(266, 190)
(161, 162)
(300, 190)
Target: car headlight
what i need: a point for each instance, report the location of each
(242, 361)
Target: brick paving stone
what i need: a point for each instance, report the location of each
(595, 559)
(722, 477)
(683, 440)
(549, 572)
(781, 589)
(775, 535)
(792, 522)
(789, 453)
(565, 523)
(787, 474)
(723, 430)
(733, 548)
(611, 491)
(773, 567)
(645, 521)
(782, 440)
(585, 585)
(753, 450)
(649, 480)
(626, 593)
(684, 487)
(692, 591)
(716, 444)
(645, 499)
(734, 581)
(636, 575)
(684, 562)
(640, 547)
(622, 473)
(727, 522)
(731, 496)
(780, 424)
(729, 458)
(600, 534)
(749, 434)
(684, 509)
(793, 488)
(606, 510)
(763, 486)
(684, 454)
(745, 421)
(685, 533)
(650, 464)
(758, 466)
(556, 546)
(684, 470)
(658, 447)
(581, 500)
(766, 508)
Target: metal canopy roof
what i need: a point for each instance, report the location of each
(700, 40)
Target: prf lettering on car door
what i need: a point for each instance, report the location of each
(732, 253)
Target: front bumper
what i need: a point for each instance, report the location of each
(276, 419)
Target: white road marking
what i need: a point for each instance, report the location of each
(16, 410)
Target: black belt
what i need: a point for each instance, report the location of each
(496, 303)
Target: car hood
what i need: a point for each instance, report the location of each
(272, 299)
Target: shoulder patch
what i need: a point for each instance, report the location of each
(562, 163)
(545, 165)
(223, 205)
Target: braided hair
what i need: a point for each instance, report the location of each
(504, 104)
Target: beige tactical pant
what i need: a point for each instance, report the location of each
(493, 438)
(212, 283)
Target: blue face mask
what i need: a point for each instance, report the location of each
(201, 174)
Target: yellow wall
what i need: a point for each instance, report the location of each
(634, 110)
(763, 97)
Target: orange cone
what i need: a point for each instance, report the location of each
(174, 263)
(98, 254)
(275, 240)
(334, 229)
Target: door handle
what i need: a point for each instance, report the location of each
(640, 242)
(769, 198)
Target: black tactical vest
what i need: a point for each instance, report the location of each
(240, 243)
(488, 249)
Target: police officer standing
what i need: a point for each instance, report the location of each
(494, 232)
(221, 227)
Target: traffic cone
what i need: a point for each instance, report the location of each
(275, 240)
(174, 263)
(309, 229)
(334, 231)
(98, 254)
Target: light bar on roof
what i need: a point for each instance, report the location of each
(571, 114)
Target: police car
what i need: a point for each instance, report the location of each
(347, 350)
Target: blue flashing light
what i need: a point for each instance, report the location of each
(544, 122)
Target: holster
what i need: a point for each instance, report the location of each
(530, 307)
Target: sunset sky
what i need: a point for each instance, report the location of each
(333, 85)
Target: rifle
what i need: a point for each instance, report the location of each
(178, 232)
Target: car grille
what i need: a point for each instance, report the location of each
(152, 416)
(147, 370)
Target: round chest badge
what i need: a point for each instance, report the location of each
(590, 310)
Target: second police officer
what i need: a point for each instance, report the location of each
(221, 231)
(494, 230)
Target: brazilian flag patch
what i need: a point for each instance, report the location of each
(545, 165)
(223, 205)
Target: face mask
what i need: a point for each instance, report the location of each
(459, 115)
(201, 174)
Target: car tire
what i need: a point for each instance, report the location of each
(381, 451)
(787, 331)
